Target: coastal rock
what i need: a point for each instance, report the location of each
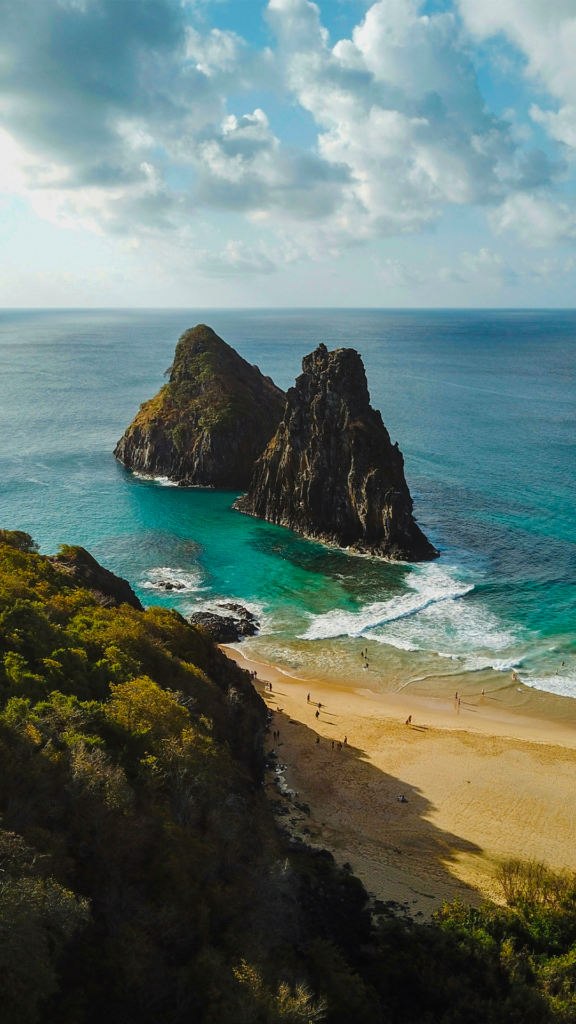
(227, 629)
(109, 590)
(331, 472)
(209, 424)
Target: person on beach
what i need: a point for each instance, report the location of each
(482, 694)
(332, 744)
(317, 714)
(317, 740)
(339, 747)
(345, 741)
(456, 695)
(308, 699)
(409, 720)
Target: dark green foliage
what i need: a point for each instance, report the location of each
(142, 880)
(19, 540)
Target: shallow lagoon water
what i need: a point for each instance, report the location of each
(483, 405)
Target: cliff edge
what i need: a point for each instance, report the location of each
(209, 424)
(331, 472)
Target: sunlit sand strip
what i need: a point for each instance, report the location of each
(481, 785)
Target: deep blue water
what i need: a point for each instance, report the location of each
(483, 405)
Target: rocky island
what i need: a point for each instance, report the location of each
(331, 471)
(209, 423)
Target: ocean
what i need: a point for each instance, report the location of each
(483, 405)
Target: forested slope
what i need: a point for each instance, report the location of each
(142, 876)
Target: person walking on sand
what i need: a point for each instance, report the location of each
(409, 720)
(317, 714)
(345, 741)
(317, 740)
(308, 699)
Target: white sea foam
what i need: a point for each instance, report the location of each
(426, 588)
(472, 664)
(432, 618)
(564, 686)
(163, 481)
(173, 581)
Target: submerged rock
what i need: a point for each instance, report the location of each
(109, 590)
(227, 629)
(331, 471)
(209, 424)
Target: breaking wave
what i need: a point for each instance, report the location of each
(425, 589)
(431, 617)
(177, 581)
(563, 686)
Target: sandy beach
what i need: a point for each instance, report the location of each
(482, 784)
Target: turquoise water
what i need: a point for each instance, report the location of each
(483, 405)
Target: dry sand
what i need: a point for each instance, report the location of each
(481, 785)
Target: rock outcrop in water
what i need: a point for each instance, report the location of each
(209, 424)
(227, 629)
(331, 471)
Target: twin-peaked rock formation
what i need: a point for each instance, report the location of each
(331, 471)
(318, 460)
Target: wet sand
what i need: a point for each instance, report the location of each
(481, 783)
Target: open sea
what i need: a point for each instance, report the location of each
(483, 405)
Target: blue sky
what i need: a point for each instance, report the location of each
(289, 153)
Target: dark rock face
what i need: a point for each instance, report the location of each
(109, 590)
(331, 471)
(227, 629)
(209, 424)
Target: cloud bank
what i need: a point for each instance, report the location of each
(115, 118)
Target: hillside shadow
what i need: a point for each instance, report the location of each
(402, 857)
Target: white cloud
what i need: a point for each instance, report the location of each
(538, 221)
(545, 32)
(395, 274)
(399, 105)
(237, 259)
(114, 119)
(489, 266)
(242, 166)
(450, 276)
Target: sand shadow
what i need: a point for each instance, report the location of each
(393, 846)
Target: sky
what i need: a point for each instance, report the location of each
(230, 153)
